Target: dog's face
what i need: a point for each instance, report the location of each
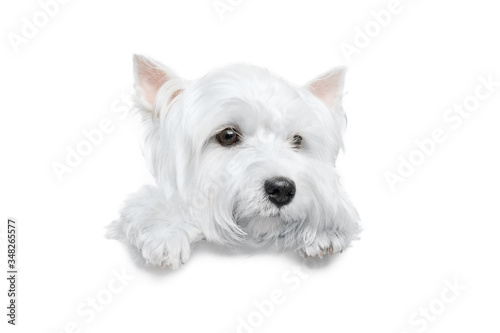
(247, 153)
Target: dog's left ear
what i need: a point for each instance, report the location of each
(329, 87)
(150, 76)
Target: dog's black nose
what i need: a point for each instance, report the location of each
(280, 190)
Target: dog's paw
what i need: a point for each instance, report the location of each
(320, 252)
(170, 251)
(323, 245)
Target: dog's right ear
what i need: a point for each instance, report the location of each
(329, 86)
(150, 76)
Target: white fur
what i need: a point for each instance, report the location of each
(207, 191)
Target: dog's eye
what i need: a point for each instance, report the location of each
(296, 141)
(227, 137)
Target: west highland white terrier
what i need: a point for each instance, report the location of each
(240, 157)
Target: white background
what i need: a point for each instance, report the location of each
(441, 224)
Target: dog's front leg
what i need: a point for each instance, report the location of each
(167, 244)
(157, 227)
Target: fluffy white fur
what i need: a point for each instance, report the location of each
(205, 191)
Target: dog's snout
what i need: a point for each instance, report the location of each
(280, 190)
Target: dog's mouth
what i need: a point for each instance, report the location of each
(272, 213)
(274, 217)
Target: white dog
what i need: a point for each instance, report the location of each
(239, 156)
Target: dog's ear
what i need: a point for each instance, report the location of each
(329, 87)
(150, 76)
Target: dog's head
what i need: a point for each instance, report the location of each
(248, 153)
